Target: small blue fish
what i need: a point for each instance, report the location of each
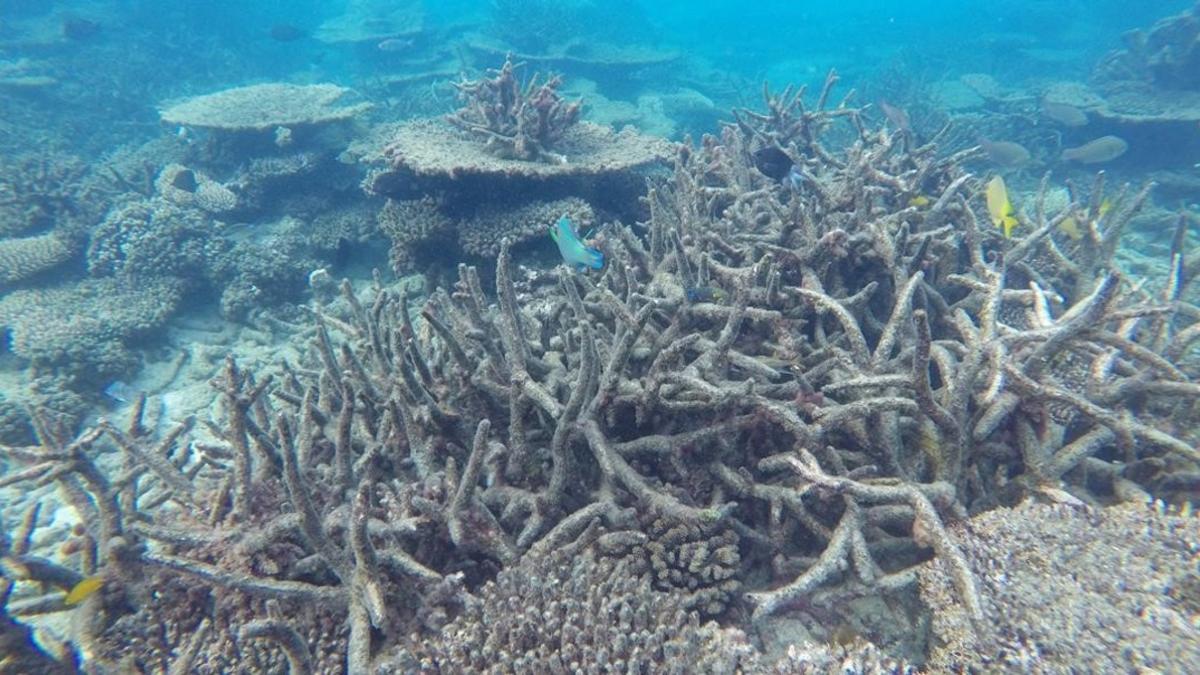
(574, 252)
(120, 392)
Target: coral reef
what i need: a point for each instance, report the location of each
(372, 21)
(1166, 55)
(483, 233)
(1119, 576)
(516, 121)
(434, 148)
(411, 224)
(778, 400)
(155, 236)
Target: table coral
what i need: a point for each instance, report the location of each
(263, 107)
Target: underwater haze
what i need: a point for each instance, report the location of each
(536, 336)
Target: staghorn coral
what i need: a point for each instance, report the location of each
(514, 121)
(1066, 587)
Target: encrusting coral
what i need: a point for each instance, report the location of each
(817, 372)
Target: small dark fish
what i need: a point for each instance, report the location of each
(286, 32)
(394, 45)
(185, 180)
(772, 162)
(703, 294)
(75, 28)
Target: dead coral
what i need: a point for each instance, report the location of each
(818, 365)
(515, 122)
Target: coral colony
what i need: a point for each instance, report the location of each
(764, 404)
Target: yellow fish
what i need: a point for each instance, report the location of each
(83, 590)
(918, 201)
(1070, 227)
(1001, 210)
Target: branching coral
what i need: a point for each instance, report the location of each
(515, 121)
